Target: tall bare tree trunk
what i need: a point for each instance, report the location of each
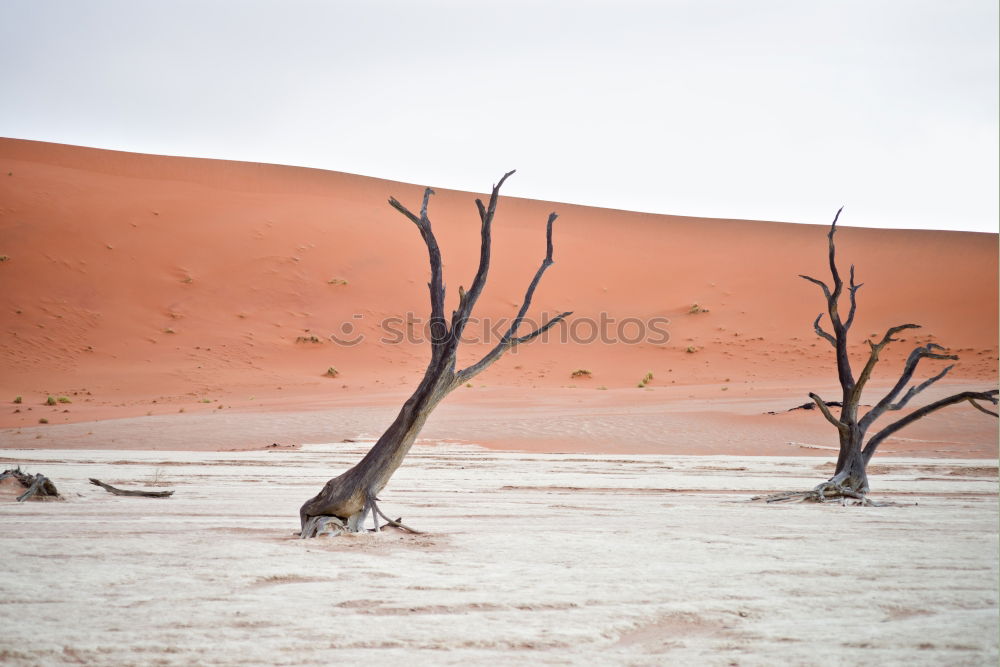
(348, 499)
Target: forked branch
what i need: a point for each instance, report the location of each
(510, 337)
(918, 353)
(821, 404)
(873, 357)
(982, 409)
(467, 300)
(839, 336)
(971, 396)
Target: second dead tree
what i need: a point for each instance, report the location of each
(850, 478)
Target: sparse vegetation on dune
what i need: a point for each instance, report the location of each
(308, 339)
(697, 309)
(581, 373)
(331, 372)
(646, 379)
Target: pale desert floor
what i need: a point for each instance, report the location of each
(527, 558)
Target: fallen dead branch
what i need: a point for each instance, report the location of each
(36, 485)
(126, 492)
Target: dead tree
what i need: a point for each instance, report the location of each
(347, 500)
(37, 486)
(850, 479)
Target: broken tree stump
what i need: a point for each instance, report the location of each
(36, 485)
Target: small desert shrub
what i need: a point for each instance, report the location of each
(308, 339)
(695, 309)
(18, 399)
(64, 399)
(646, 379)
(43, 420)
(51, 400)
(691, 349)
(168, 330)
(581, 373)
(205, 400)
(336, 281)
(603, 388)
(331, 372)
(4, 258)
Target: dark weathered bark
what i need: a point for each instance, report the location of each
(351, 497)
(850, 476)
(126, 492)
(37, 485)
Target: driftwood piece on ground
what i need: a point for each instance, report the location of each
(125, 492)
(811, 405)
(36, 485)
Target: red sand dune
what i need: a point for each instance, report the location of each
(141, 284)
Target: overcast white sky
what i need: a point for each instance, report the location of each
(761, 109)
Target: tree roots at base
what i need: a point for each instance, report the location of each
(827, 492)
(317, 526)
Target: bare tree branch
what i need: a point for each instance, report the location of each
(913, 391)
(873, 358)
(970, 396)
(467, 301)
(540, 330)
(821, 404)
(918, 353)
(438, 324)
(508, 339)
(405, 211)
(853, 289)
(838, 284)
(823, 334)
(823, 286)
(982, 409)
(839, 335)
